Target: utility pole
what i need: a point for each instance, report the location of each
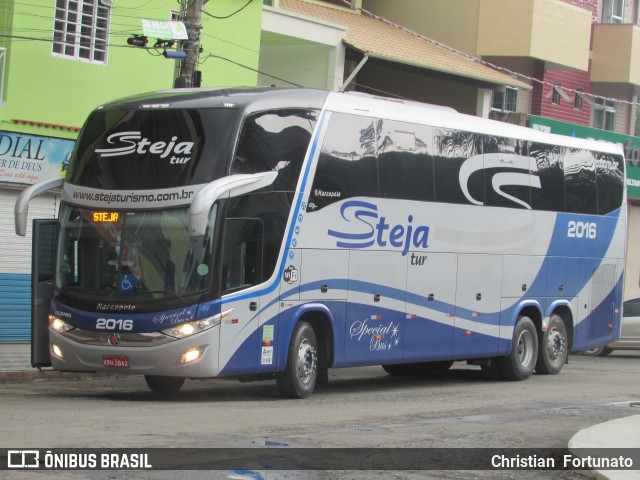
(188, 75)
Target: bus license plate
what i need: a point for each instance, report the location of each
(111, 361)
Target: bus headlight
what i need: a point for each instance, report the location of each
(58, 324)
(197, 326)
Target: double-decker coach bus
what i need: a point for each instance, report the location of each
(277, 233)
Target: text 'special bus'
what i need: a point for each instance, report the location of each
(277, 233)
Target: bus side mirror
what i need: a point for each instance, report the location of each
(231, 186)
(21, 208)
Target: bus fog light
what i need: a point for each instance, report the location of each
(190, 355)
(56, 350)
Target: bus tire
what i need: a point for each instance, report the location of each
(164, 385)
(299, 376)
(553, 347)
(521, 362)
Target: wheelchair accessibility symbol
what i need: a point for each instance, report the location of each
(127, 282)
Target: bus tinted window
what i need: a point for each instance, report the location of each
(348, 165)
(242, 257)
(144, 150)
(405, 161)
(580, 182)
(275, 140)
(452, 148)
(610, 175)
(549, 163)
(506, 169)
(272, 209)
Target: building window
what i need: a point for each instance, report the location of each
(604, 114)
(577, 101)
(555, 96)
(612, 11)
(505, 101)
(340, 3)
(81, 29)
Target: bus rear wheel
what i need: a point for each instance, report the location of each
(553, 350)
(521, 362)
(164, 385)
(299, 377)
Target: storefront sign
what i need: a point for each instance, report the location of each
(630, 144)
(29, 159)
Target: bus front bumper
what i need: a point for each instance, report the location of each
(192, 357)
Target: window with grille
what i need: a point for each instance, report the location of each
(81, 30)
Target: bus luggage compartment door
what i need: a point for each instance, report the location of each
(376, 308)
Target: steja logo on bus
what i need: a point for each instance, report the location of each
(511, 161)
(373, 229)
(127, 143)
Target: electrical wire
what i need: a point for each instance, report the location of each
(213, 55)
(126, 33)
(227, 16)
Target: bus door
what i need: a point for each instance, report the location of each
(376, 307)
(240, 338)
(42, 270)
(431, 286)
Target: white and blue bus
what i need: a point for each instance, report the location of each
(277, 233)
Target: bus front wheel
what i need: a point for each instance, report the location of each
(164, 385)
(299, 377)
(553, 349)
(521, 362)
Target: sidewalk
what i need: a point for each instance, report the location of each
(15, 366)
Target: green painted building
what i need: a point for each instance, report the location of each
(60, 59)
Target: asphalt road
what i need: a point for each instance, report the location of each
(361, 408)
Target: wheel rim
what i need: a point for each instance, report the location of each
(556, 345)
(307, 361)
(525, 348)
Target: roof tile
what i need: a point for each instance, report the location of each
(379, 39)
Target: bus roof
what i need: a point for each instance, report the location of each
(264, 98)
(439, 116)
(251, 99)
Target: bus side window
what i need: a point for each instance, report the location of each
(501, 156)
(405, 160)
(275, 140)
(610, 177)
(242, 258)
(580, 182)
(550, 165)
(452, 148)
(348, 165)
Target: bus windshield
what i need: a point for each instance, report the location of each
(131, 256)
